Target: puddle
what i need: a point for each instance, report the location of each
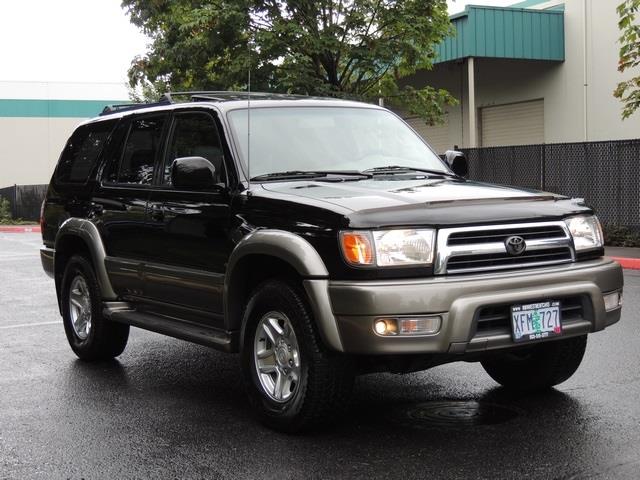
(458, 414)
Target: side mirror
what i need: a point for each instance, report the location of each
(193, 173)
(457, 162)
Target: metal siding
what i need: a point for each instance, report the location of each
(513, 124)
(495, 32)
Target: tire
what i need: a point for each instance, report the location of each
(91, 336)
(317, 387)
(540, 367)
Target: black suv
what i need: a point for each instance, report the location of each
(321, 239)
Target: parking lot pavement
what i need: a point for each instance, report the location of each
(169, 409)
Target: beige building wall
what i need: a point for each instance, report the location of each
(573, 112)
(30, 147)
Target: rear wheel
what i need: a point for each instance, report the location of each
(293, 382)
(539, 367)
(90, 335)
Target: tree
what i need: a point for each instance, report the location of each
(629, 91)
(342, 48)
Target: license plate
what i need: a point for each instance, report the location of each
(535, 321)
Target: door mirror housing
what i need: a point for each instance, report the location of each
(193, 173)
(457, 162)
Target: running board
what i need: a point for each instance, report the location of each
(122, 312)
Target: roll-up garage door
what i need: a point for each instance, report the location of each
(436, 135)
(514, 124)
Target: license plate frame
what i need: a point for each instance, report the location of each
(536, 321)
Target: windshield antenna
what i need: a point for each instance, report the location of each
(249, 118)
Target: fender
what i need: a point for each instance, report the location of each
(89, 233)
(303, 257)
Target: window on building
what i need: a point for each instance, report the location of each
(140, 149)
(82, 151)
(194, 135)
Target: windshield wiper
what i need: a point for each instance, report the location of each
(293, 174)
(402, 169)
(288, 174)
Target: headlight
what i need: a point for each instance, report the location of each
(388, 248)
(586, 232)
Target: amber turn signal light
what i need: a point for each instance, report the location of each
(357, 247)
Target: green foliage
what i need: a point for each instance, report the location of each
(620, 236)
(342, 48)
(5, 211)
(629, 91)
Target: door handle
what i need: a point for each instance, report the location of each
(157, 213)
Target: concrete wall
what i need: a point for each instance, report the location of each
(561, 85)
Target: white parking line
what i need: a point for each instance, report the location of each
(20, 325)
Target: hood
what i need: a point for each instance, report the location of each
(380, 202)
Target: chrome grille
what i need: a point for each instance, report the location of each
(530, 233)
(482, 249)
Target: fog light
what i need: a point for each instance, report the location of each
(612, 301)
(407, 325)
(386, 326)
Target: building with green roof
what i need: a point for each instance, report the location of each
(538, 71)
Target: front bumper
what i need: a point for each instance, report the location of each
(458, 300)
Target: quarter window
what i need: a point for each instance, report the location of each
(194, 135)
(139, 153)
(81, 152)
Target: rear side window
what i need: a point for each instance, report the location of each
(136, 160)
(82, 151)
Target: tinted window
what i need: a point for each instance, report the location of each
(140, 149)
(194, 135)
(82, 151)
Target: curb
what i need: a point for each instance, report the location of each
(628, 263)
(19, 229)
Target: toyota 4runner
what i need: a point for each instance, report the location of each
(320, 239)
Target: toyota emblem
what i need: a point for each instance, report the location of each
(515, 245)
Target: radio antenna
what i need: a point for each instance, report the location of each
(249, 117)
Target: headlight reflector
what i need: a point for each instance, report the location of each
(403, 247)
(388, 248)
(586, 232)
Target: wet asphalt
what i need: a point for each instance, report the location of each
(170, 409)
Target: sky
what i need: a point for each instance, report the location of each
(81, 40)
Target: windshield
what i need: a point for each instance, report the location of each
(328, 138)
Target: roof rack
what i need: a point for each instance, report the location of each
(125, 107)
(225, 95)
(200, 96)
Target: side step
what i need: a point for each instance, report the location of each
(209, 337)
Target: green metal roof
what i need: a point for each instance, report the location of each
(535, 3)
(505, 32)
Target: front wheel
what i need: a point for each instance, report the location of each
(538, 367)
(293, 382)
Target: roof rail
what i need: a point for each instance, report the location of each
(125, 107)
(199, 96)
(224, 95)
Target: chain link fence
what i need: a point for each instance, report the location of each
(605, 174)
(24, 200)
